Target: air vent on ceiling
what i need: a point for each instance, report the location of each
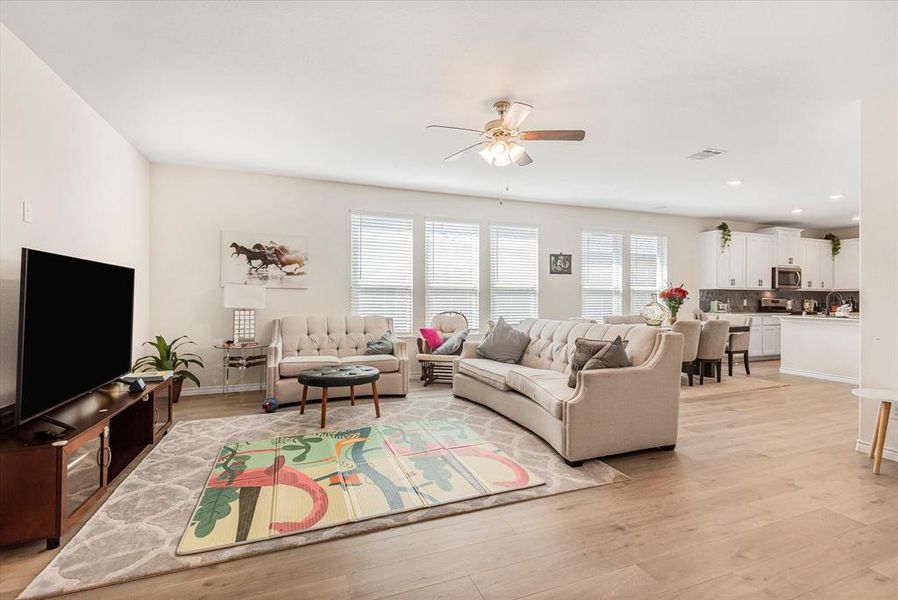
(706, 153)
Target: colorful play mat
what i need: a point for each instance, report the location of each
(283, 486)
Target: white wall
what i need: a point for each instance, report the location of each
(88, 187)
(879, 257)
(191, 206)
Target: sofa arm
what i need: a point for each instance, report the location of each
(469, 349)
(619, 410)
(273, 361)
(400, 348)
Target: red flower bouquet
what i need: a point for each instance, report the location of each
(674, 297)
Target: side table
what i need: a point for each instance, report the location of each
(878, 443)
(240, 357)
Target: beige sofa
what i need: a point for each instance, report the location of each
(300, 343)
(609, 412)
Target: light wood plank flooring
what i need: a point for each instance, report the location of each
(765, 497)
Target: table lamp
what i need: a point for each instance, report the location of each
(244, 299)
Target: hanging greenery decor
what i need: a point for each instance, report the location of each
(837, 243)
(725, 235)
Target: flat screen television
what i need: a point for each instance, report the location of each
(75, 322)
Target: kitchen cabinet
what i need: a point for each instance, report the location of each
(787, 245)
(847, 266)
(770, 340)
(816, 264)
(755, 344)
(825, 265)
(758, 261)
(722, 268)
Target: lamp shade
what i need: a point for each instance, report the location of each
(244, 296)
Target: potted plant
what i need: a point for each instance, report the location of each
(674, 297)
(725, 235)
(837, 243)
(168, 359)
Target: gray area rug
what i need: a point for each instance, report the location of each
(135, 533)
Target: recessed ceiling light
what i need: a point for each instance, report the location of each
(855, 218)
(795, 211)
(735, 182)
(837, 196)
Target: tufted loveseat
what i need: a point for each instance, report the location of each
(300, 343)
(610, 411)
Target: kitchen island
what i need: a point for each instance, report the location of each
(821, 347)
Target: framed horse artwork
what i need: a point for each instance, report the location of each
(270, 259)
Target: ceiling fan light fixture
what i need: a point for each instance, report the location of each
(515, 151)
(502, 160)
(499, 149)
(486, 154)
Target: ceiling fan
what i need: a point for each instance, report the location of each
(501, 137)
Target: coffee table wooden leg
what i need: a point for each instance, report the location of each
(323, 406)
(352, 395)
(875, 437)
(302, 402)
(376, 399)
(884, 409)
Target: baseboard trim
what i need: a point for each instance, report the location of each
(217, 389)
(815, 375)
(888, 453)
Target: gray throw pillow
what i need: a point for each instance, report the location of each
(453, 343)
(585, 349)
(612, 356)
(504, 343)
(382, 345)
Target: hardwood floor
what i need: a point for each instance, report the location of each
(765, 497)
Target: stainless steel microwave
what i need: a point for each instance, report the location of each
(787, 278)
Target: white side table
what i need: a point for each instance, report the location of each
(240, 357)
(885, 397)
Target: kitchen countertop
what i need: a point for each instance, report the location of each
(851, 319)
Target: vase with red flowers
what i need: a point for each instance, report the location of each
(673, 298)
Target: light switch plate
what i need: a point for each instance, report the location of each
(27, 212)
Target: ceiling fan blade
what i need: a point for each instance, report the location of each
(515, 115)
(523, 160)
(450, 127)
(459, 154)
(567, 135)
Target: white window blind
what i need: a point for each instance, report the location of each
(514, 277)
(601, 272)
(452, 269)
(382, 268)
(648, 268)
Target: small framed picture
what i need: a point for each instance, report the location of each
(559, 264)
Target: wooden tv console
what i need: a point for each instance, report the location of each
(47, 485)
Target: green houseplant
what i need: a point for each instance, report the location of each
(725, 235)
(837, 243)
(168, 359)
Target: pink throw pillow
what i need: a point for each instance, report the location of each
(432, 337)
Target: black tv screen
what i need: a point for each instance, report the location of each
(75, 320)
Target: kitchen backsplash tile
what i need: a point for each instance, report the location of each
(734, 298)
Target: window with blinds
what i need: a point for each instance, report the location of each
(648, 268)
(601, 272)
(382, 268)
(452, 269)
(514, 272)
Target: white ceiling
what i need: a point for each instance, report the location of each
(342, 91)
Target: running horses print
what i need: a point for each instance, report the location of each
(282, 486)
(269, 259)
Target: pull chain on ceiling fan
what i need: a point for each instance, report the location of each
(501, 145)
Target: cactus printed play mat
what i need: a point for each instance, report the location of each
(287, 485)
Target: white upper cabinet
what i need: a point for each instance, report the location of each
(825, 263)
(758, 261)
(722, 268)
(787, 245)
(809, 259)
(847, 266)
(816, 258)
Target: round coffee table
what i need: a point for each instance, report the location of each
(345, 376)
